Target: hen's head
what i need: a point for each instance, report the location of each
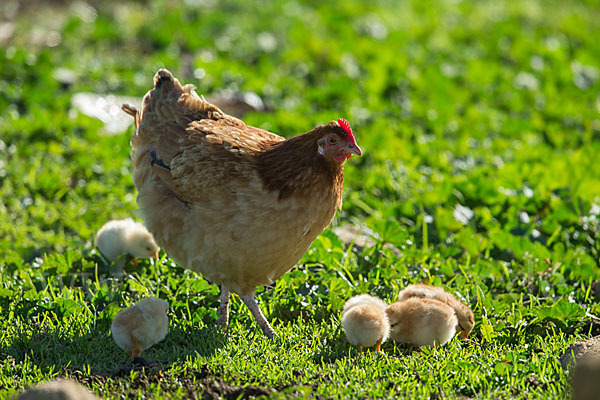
(338, 142)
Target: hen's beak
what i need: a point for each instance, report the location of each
(353, 149)
(464, 335)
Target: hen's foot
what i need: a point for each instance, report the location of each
(258, 316)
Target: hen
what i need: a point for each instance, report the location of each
(236, 203)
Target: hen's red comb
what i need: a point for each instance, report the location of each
(346, 126)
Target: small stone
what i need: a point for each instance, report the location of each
(596, 290)
(58, 389)
(586, 379)
(583, 349)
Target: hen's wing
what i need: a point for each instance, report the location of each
(190, 144)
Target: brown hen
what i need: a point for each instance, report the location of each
(236, 203)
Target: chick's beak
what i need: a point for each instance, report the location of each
(353, 149)
(464, 335)
(155, 255)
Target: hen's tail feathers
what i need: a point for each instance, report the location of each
(133, 112)
(171, 101)
(166, 112)
(136, 117)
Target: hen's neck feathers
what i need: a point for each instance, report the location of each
(294, 166)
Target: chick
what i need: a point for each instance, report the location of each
(421, 321)
(125, 236)
(140, 326)
(365, 322)
(464, 315)
(60, 389)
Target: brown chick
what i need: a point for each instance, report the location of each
(421, 321)
(141, 325)
(236, 203)
(466, 321)
(60, 389)
(365, 322)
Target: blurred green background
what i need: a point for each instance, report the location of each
(480, 125)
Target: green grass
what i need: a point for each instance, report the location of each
(489, 105)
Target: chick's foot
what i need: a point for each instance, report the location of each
(137, 350)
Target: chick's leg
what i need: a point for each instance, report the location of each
(258, 315)
(223, 310)
(137, 350)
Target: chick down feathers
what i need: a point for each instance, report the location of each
(364, 321)
(421, 321)
(141, 325)
(125, 236)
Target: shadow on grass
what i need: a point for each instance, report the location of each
(95, 361)
(341, 349)
(97, 353)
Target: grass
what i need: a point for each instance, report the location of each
(480, 124)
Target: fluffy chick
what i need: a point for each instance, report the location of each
(421, 321)
(60, 389)
(140, 326)
(365, 322)
(125, 236)
(466, 321)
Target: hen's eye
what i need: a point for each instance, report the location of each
(332, 140)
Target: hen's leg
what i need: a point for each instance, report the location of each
(258, 315)
(223, 310)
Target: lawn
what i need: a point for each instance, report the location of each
(480, 127)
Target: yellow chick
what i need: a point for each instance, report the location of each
(60, 389)
(421, 321)
(125, 236)
(140, 326)
(364, 321)
(466, 321)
